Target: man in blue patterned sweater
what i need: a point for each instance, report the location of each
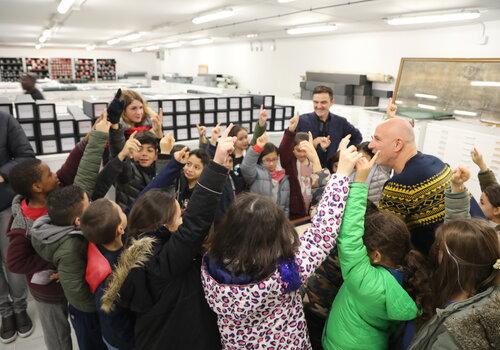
(416, 190)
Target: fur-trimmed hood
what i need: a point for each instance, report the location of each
(136, 255)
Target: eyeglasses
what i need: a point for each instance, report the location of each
(270, 160)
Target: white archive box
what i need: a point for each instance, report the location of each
(25, 111)
(84, 126)
(67, 144)
(234, 103)
(181, 120)
(194, 133)
(49, 146)
(234, 116)
(182, 134)
(180, 106)
(66, 127)
(168, 121)
(194, 104)
(222, 117)
(246, 115)
(46, 110)
(154, 105)
(47, 129)
(167, 106)
(209, 104)
(194, 118)
(29, 129)
(278, 113)
(221, 103)
(209, 118)
(246, 102)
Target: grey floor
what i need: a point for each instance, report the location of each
(35, 340)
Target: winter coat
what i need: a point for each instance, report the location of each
(466, 325)
(14, 148)
(23, 259)
(66, 248)
(161, 284)
(456, 205)
(376, 180)
(336, 127)
(259, 180)
(261, 315)
(371, 299)
(486, 179)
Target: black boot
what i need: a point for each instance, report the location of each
(24, 324)
(8, 331)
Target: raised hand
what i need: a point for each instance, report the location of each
(294, 121)
(325, 142)
(364, 166)
(182, 155)
(344, 142)
(157, 121)
(102, 125)
(225, 146)
(460, 176)
(347, 160)
(132, 145)
(167, 143)
(312, 155)
(115, 108)
(392, 108)
(262, 116)
(262, 140)
(202, 130)
(478, 159)
(215, 134)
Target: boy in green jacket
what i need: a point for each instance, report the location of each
(372, 299)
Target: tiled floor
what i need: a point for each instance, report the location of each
(35, 340)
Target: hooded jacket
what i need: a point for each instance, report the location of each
(466, 325)
(66, 248)
(22, 258)
(161, 283)
(370, 299)
(261, 315)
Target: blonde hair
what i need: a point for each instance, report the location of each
(128, 96)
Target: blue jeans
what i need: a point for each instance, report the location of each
(87, 329)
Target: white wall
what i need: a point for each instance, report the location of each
(277, 72)
(126, 61)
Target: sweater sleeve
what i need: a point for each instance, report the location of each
(66, 174)
(116, 140)
(21, 257)
(183, 246)
(91, 161)
(457, 205)
(249, 165)
(286, 149)
(259, 130)
(319, 239)
(486, 179)
(18, 146)
(106, 178)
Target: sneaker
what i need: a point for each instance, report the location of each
(24, 325)
(8, 331)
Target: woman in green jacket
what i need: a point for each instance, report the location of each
(382, 275)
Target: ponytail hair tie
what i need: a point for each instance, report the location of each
(496, 265)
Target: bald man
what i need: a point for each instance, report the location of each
(416, 190)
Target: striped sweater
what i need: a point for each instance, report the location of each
(417, 196)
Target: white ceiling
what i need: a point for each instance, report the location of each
(163, 21)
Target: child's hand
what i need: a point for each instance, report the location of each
(325, 142)
(215, 134)
(115, 108)
(262, 140)
(294, 121)
(311, 154)
(225, 146)
(363, 167)
(132, 145)
(477, 158)
(344, 142)
(347, 160)
(202, 130)
(102, 125)
(157, 121)
(54, 277)
(167, 143)
(262, 116)
(392, 108)
(460, 176)
(182, 155)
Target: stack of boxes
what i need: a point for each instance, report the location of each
(11, 68)
(348, 89)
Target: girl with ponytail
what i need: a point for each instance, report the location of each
(385, 280)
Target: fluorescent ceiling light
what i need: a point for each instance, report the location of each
(64, 6)
(173, 45)
(466, 113)
(38, 46)
(430, 97)
(251, 36)
(202, 41)
(47, 32)
(214, 16)
(131, 37)
(312, 29)
(42, 39)
(434, 18)
(90, 47)
(137, 49)
(152, 47)
(485, 83)
(113, 41)
(421, 105)
(285, 1)
(398, 102)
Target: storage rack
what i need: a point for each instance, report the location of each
(84, 70)
(11, 68)
(106, 69)
(61, 69)
(38, 67)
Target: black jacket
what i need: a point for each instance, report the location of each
(165, 289)
(14, 148)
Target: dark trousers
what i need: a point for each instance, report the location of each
(87, 329)
(315, 325)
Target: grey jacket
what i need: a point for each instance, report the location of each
(259, 180)
(466, 325)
